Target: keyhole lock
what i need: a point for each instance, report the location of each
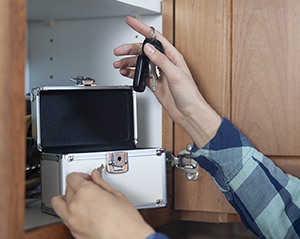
(117, 162)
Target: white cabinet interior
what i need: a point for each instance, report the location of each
(67, 38)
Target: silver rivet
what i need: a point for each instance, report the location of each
(71, 158)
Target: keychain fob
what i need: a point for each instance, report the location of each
(142, 66)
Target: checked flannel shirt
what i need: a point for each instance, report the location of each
(267, 200)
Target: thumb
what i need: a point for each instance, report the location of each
(98, 180)
(159, 59)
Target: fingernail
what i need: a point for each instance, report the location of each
(149, 48)
(97, 172)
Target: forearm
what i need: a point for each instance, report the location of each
(265, 197)
(201, 124)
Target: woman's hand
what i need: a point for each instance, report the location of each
(96, 210)
(176, 89)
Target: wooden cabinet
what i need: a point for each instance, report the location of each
(265, 74)
(244, 58)
(12, 124)
(202, 35)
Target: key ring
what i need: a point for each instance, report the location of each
(153, 35)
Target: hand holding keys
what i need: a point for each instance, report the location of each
(145, 68)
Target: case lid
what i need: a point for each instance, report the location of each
(85, 119)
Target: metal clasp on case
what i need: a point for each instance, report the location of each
(83, 81)
(117, 162)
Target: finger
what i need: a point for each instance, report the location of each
(125, 62)
(69, 194)
(59, 205)
(77, 180)
(139, 27)
(86, 176)
(160, 60)
(127, 72)
(98, 180)
(128, 49)
(146, 31)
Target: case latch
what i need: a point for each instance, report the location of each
(185, 163)
(83, 81)
(117, 162)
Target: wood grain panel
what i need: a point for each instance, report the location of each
(56, 230)
(12, 120)
(266, 70)
(201, 195)
(202, 35)
(289, 165)
(211, 217)
(167, 30)
(167, 8)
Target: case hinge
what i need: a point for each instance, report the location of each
(34, 92)
(184, 162)
(117, 162)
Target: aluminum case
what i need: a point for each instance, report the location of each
(84, 118)
(105, 121)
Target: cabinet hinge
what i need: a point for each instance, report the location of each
(184, 162)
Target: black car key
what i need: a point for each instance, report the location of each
(145, 68)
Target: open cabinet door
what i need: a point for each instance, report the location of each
(203, 36)
(158, 217)
(12, 123)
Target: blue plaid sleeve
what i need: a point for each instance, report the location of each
(157, 236)
(266, 199)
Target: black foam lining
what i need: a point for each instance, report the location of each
(86, 120)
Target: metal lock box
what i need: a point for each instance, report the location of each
(79, 129)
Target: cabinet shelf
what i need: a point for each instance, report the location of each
(35, 218)
(81, 9)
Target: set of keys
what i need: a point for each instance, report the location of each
(145, 68)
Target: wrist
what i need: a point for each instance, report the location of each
(202, 124)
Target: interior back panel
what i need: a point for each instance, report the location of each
(86, 120)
